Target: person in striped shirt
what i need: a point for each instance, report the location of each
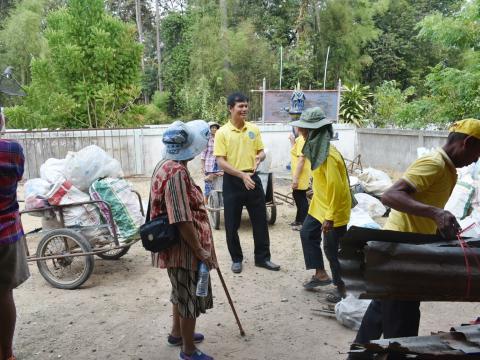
(174, 192)
(13, 262)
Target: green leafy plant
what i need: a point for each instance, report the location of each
(90, 76)
(355, 104)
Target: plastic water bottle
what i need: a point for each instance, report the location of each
(202, 283)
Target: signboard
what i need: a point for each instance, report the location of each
(277, 102)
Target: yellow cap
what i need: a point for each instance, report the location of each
(467, 126)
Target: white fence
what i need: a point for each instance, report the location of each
(139, 150)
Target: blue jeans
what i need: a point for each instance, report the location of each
(311, 235)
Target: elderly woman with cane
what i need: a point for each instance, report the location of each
(173, 192)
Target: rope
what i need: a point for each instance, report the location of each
(465, 248)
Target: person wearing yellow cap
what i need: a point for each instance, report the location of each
(417, 201)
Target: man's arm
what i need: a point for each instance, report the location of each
(229, 169)
(399, 197)
(259, 158)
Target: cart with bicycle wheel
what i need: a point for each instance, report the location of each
(65, 255)
(215, 200)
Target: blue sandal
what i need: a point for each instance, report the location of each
(197, 355)
(178, 341)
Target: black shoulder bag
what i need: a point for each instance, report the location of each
(158, 234)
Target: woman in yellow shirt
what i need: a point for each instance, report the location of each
(301, 174)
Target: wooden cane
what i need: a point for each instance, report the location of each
(242, 333)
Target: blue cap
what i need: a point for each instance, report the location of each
(184, 141)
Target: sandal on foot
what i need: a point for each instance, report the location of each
(334, 296)
(197, 355)
(315, 282)
(178, 341)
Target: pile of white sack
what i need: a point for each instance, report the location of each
(84, 175)
(368, 185)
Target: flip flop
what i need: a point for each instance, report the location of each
(315, 282)
(334, 296)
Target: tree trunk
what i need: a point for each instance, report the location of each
(223, 31)
(138, 16)
(159, 46)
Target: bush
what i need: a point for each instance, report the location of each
(161, 100)
(388, 101)
(154, 116)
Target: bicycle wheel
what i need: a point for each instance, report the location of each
(114, 254)
(68, 272)
(214, 203)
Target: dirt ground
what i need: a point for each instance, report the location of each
(123, 310)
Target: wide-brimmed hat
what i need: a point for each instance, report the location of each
(467, 126)
(184, 141)
(213, 123)
(312, 118)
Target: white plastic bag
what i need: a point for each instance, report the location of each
(472, 222)
(64, 193)
(460, 200)
(82, 168)
(372, 205)
(53, 170)
(350, 310)
(37, 187)
(359, 217)
(423, 151)
(35, 195)
(374, 181)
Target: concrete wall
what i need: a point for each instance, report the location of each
(139, 150)
(394, 150)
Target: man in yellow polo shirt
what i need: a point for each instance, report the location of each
(329, 211)
(417, 201)
(239, 150)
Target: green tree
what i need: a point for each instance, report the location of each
(90, 77)
(21, 39)
(399, 54)
(451, 87)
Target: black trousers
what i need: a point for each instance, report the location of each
(235, 196)
(300, 197)
(311, 236)
(392, 318)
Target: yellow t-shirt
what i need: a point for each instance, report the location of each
(433, 176)
(296, 152)
(238, 146)
(331, 191)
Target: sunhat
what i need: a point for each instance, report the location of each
(312, 118)
(184, 141)
(467, 126)
(213, 123)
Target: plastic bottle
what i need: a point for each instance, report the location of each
(202, 283)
